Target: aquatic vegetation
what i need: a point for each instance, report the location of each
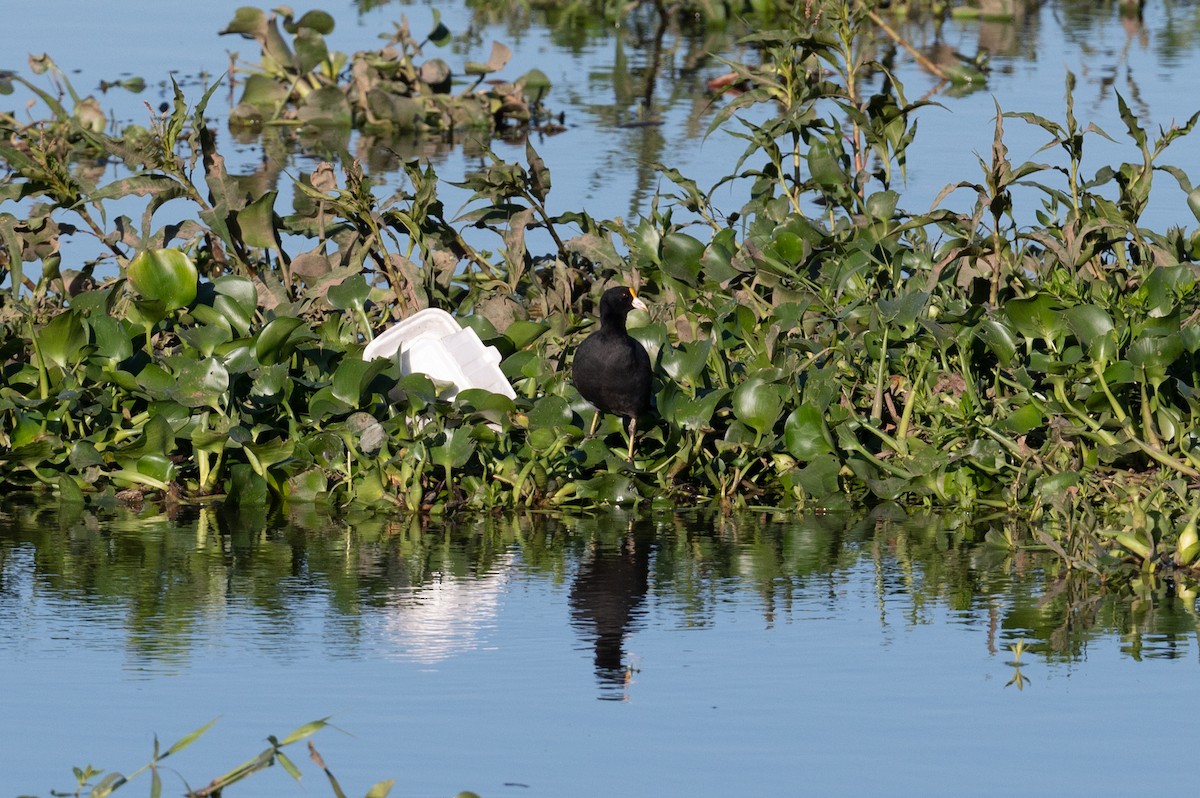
(390, 89)
(819, 347)
(100, 784)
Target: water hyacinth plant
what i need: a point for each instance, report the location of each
(819, 347)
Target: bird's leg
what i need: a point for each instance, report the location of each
(595, 421)
(632, 435)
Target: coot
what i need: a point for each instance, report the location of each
(611, 369)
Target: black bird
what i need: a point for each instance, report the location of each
(611, 369)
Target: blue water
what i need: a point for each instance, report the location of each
(747, 663)
(603, 167)
(860, 673)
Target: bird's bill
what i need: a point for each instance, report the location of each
(637, 302)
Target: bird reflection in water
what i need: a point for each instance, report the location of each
(606, 603)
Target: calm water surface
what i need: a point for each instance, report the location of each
(666, 655)
(670, 654)
(603, 162)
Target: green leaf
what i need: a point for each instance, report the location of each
(523, 333)
(353, 376)
(1036, 317)
(307, 486)
(266, 454)
(1024, 420)
(1094, 328)
(207, 337)
(492, 406)
(1193, 201)
(68, 491)
(824, 164)
(685, 363)
(536, 83)
(757, 403)
(318, 21)
(248, 22)
(696, 414)
(326, 107)
(311, 50)
(998, 338)
(819, 478)
(1057, 484)
(288, 765)
(200, 383)
(257, 222)
(805, 433)
(63, 338)
(440, 35)
(273, 343)
(350, 294)
(610, 488)
(245, 487)
(905, 309)
(1165, 286)
(107, 785)
(164, 275)
(381, 789)
(189, 738)
(456, 451)
(1154, 355)
(550, 412)
(307, 730)
(681, 255)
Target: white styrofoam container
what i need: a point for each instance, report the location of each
(431, 342)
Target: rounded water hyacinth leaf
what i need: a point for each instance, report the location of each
(805, 433)
(550, 413)
(757, 403)
(536, 83)
(1165, 286)
(681, 255)
(311, 50)
(248, 22)
(696, 414)
(164, 275)
(610, 488)
(455, 451)
(319, 21)
(327, 106)
(1153, 356)
(200, 383)
(353, 377)
(263, 93)
(686, 362)
(1036, 317)
(307, 486)
(1094, 328)
(350, 294)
